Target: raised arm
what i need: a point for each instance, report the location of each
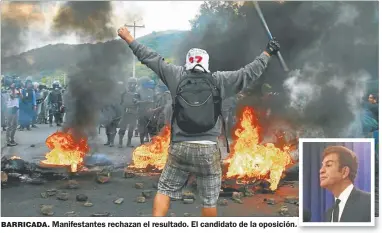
(151, 58)
(233, 82)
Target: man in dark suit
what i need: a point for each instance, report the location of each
(337, 174)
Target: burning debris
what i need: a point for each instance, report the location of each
(66, 151)
(154, 154)
(249, 160)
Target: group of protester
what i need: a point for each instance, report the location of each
(26, 104)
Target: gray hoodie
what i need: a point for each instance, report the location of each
(229, 82)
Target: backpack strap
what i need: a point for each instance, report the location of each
(204, 70)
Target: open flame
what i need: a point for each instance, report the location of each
(153, 154)
(249, 160)
(65, 151)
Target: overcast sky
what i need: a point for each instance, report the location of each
(155, 15)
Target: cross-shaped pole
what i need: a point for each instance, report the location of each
(134, 26)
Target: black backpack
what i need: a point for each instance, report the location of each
(197, 103)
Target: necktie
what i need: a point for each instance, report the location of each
(336, 210)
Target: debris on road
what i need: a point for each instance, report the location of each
(147, 193)
(46, 210)
(188, 201)
(88, 204)
(119, 201)
(291, 200)
(97, 160)
(237, 195)
(270, 201)
(128, 174)
(103, 178)
(71, 214)
(140, 199)
(51, 192)
(222, 202)
(284, 211)
(81, 198)
(63, 196)
(105, 214)
(72, 184)
(44, 195)
(139, 185)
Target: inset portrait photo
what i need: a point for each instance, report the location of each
(337, 182)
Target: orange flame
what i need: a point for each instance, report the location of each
(65, 150)
(153, 154)
(249, 160)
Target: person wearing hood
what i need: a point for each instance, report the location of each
(196, 121)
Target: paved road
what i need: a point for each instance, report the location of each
(32, 146)
(25, 200)
(21, 199)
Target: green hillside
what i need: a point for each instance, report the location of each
(59, 59)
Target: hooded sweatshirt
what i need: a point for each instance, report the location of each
(229, 82)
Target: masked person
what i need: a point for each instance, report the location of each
(196, 120)
(129, 108)
(12, 112)
(42, 116)
(39, 100)
(162, 109)
(145, 106)
(55, 103)
(110, 118)
(28, 106)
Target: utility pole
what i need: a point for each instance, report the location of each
(134, 26)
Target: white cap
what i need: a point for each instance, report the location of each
(197, 56)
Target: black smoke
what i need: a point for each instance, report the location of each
(331, 48)
(89, 20)
(16, 19)
(93, 83)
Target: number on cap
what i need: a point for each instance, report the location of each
(198, 59)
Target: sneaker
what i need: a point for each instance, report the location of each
(11, 144)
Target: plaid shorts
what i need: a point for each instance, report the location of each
(203, 161)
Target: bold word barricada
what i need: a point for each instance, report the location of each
(152, 224)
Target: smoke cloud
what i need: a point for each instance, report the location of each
(331, 48)
(93, 83)
(89, 20)
(16, 20)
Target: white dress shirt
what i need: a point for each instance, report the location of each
(344, 196)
